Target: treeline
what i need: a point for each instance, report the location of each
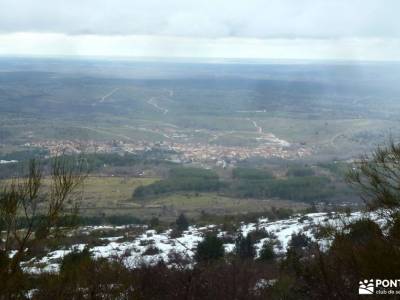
(251, 174)
(77, 220)
(307, 188)
(300, 184)
(101, 160)
(181, 179)
(116, 220)
(94, 162)
(25, 154)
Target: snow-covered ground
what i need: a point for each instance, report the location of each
(3, 162)
(151, 247)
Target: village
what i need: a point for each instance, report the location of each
(219, 155)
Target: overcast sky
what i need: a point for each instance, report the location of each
(298, 29)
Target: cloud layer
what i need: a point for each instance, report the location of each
(322, 29)
(208, 19)
(52, 44)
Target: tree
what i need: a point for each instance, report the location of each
(364, 230)
(267, 252)
(244, 247)
(74, 264)
(182, 222)
(154, 223)
(31, 211)
(377, 178)
(360, 249)
(299, 241)
(210, 249)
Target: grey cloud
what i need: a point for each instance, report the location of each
(202, 18)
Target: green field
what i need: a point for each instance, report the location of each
(194, 204)
(102, 192)
(113, 196)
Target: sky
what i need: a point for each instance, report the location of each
(269, 29)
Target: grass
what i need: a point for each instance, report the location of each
(113, 196)
(107, 192)
(195, 204)
(111, 191)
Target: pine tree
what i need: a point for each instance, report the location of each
(267, 252)
(182, 222)
(210, 249)
(244, 247)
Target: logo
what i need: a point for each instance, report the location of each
(366, 287)
(379, 287)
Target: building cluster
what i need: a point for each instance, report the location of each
(181, 152)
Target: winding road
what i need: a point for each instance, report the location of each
(108, 95)
(152, 102)
(256, 126)
(155, 105)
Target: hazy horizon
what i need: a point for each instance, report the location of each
(312, 30)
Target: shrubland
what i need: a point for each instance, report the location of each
(358, 249)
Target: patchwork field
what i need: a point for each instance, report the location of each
(109, 196)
